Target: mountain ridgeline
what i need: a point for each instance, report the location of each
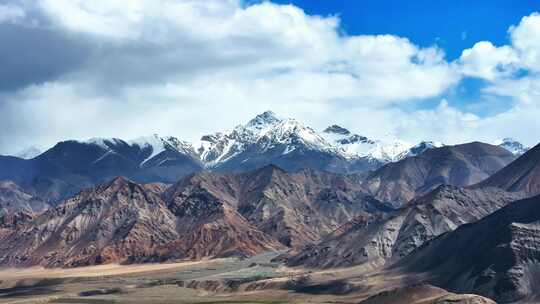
(460, 217)
(70, 166)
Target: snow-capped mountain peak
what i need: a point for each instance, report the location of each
(292, 133)
(420, 148)
(264, 132)
(390, 150)
(358, 146)
(263, 120)
(146, 146)
(512, 145)
(340, 136)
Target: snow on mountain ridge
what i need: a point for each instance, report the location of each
(354, 146)
(420, 148)
(268, 132)
(263, 120)
(102, 142)
(265, 131)
(154, 142)
(29, 153)
(512, 145)
(390, 150)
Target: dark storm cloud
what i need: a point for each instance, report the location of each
(31, 55)
(39, 54)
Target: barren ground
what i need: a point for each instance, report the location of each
(222, 281)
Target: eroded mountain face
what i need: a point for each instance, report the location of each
(107, 224)
(497, 256)
(17, 207)
(295, 208)
(14, 199)
(522, 175)
(380, 239)
(203, 215)
(460, 165)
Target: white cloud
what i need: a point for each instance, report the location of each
(189, 67)
(257, 41)
(526, 40)
(487, 61)
(484, 60)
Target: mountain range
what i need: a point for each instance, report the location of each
(327, 219)
(481, 239)
(72, 165)
(203, 215)
(379, 240)
(460, 217)
(268, 132)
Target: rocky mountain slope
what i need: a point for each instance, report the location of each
(203, 215)
(13, 199)
(17, 207)
(295, 208)
(424, 294)
(459, 165)
(497, 256)
(379, 239)
(121, 221)
(521, 175)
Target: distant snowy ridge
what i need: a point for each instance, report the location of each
(29, 152)
(512, 145)
(150, 146)
(160, 144)
(268, 132)
(389, 149)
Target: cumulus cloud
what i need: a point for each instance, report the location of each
(526, 40)
(484, 60)
(184, 68)
(487, 61)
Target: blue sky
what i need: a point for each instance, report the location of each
(451, 25)
(454, 25)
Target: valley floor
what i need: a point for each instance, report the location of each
(225, 281)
